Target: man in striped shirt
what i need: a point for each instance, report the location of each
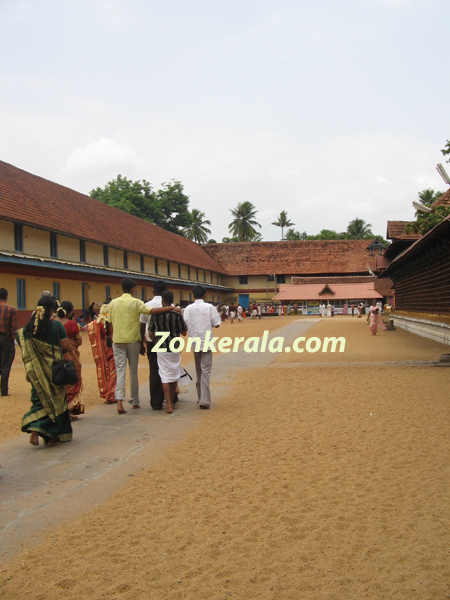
(8, 329)
(169, 325)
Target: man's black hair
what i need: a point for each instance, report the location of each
(167, 297)
(199, 291)
(159, 287)
(127, 285)
(3, 294)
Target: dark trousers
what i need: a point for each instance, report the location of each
(7, 353)
(156, 391)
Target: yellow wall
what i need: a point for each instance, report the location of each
(94, 254)
(134, 262)
(68, 248)
(6, 236)
(36, 241)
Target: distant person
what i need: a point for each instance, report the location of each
(8, 330)
(81, 324)
(91, 311)
(169, 362)
(353, 310)
(200, 318)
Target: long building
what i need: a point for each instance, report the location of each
(55, 239)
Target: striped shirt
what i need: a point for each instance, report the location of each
(8, 320)
(171, 322)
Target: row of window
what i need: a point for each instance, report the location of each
(21, 293)
(18, 247)
(243, 279)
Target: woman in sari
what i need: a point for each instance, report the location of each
(375, 319)
(75, 402)
(48, 417)
(100, 337)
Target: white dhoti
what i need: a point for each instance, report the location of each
(169, 366)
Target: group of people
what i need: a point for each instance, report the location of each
(123, 329)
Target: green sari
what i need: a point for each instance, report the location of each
(48, 415)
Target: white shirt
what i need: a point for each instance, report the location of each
(156, 302)
(201, 317)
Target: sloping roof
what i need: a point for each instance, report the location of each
(396, 230)
(443, 200)
(294, 258)
(339, 291)
(32, 200)
(436, 235)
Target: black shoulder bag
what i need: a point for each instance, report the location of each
(63, 371)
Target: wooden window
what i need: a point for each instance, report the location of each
(243, 279)
(82, 251)
(53, 245)
(21, 298)
(105, 256)
(56, 289)
(142, 263)
(18, 237)
(125, 259)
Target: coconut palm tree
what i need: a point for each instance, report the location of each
(358, 229)
(197, 232)
(243, 224)
(283, 222)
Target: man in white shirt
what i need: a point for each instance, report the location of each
(200, 317)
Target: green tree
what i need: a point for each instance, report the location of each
(174, 206)
(168, 207)
(283, 221)
(244, 223)
(359, 230)
(328, 234)
(197, 230)
(293, 236)
(446, 150)
(426, 221)
(134, 197)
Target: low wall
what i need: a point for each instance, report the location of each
(439, 332)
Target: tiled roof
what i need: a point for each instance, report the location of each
(443, 200)
(339, 291)
(32, 200)
(396, 230)
(294, 258)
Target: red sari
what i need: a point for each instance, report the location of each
(104, 361)
(75, 402)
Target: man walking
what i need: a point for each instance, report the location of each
(156, 390)
(8, 329)
(124, 315)
(201, 317)
(169, 361)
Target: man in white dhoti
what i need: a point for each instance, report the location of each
(169, 360)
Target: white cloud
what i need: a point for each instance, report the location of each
(98, 157)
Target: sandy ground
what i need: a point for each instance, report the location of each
(13, 407)
(322, 476)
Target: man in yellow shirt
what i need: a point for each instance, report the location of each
(124, 316)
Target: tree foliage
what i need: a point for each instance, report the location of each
(243, 224)
(426, 221)
(446, 150)
(283, 221)
(359, 230)
(197, 230)
(294, 236)
(168, 207)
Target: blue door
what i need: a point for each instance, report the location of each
(244, 301)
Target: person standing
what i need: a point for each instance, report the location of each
(124, 316)
(169, 360)
(200, 318)
(155, 385)
(91, 311)
(8, 330)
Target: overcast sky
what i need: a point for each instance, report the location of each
(328, 109)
